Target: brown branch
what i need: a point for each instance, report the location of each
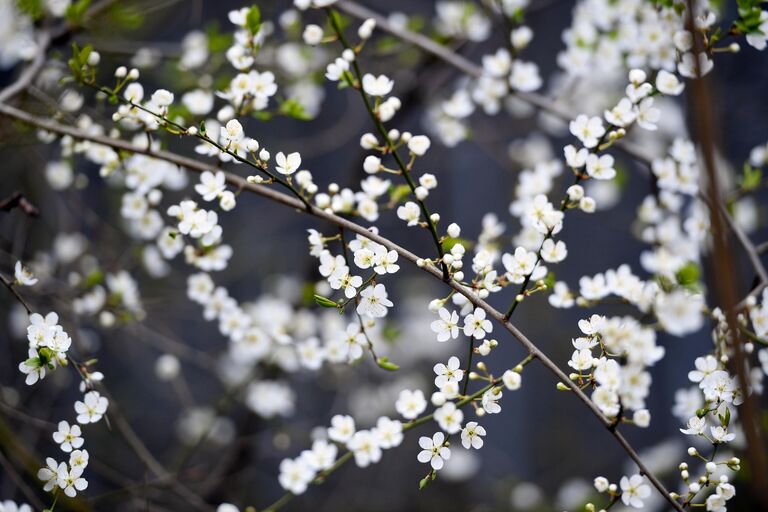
(703, 121)
(9, 284)
(149, 460)
(281, 198)
(19, 200)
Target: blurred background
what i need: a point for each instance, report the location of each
(541, 453)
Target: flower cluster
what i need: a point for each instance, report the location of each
(48, 346)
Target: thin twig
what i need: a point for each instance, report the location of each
(9, 284)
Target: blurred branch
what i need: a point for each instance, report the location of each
(9, 284)
(30, 72)
(149, 460)
(703, 121)
(19, 481)
(18, 200)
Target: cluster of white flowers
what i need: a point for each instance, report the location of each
(503, 71)
(366, 446)
(641, 45)
(48, 346)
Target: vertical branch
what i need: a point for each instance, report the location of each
(723, 267)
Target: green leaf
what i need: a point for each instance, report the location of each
(550, 280)
(94, 278)
(325, 302)
(449, 242)
(751, 177)
(689, 274)
(126, 16)
(386, 364)
(33, 8)
(262, 115)
(292, 108)
(84, 54)
(76, 11)
(217, 41)
(398, 193)
(253, 19)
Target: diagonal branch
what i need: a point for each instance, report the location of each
(281, 198)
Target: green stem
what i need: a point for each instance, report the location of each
(405, 171)
(527, 280)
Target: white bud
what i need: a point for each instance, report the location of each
(372, 164)
(366, 29)
(312, 35)
(421, 193)
(94, 58)
(575, 192)
(167, 367)
(264, 155)
(642, 418)
(368, 141)
(454, 231)
(601, 484)
(587, 205)
(121, 72)
(637, 76)
(438, 399)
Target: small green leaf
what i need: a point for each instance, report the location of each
(292, 108)
(94, 278)
(751, 177)
(76, 11)
(398, 193)
(550, 280)
(449, 242)
(253, 19)
(689, 274)
(262, 115)
(33, 8)
(325, 302)
(385, 364)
